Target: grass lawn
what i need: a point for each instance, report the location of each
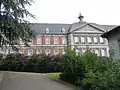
(53, 75)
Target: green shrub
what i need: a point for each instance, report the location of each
(35, 63)
(91, 72)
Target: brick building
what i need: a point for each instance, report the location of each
(53, 38)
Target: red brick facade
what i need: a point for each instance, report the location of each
(34, 46)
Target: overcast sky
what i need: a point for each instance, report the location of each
(67, 11)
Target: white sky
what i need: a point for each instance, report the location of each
(67, 11)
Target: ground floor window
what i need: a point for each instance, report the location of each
(47, 51)
(56, 52)
(30, 52)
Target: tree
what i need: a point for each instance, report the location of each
(13, 26)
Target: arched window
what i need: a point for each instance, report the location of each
(56, 52)
(47, 30)
(47, 51)
(63, 30)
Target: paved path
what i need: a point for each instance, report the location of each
(30, 81)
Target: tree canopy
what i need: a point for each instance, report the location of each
(13, 26)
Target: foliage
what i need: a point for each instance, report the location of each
(35, 63)
(53, 75)
(91, 72)
(13, 26)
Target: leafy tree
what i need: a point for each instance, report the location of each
(13, 26)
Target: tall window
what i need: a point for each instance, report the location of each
(63, 40)
(83, 39)
(101, 40)
(39, 51)
(55, 40)
(47, 40)
(47, 30)
(95, 40)
(56, 52)
(39, 40)
(76, 40)
(89, 40)
(103, 52)
(47, 52)
(30, 52)
(97, 52)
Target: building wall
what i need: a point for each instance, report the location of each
(34, 46)
(88, 31)
(114, 44)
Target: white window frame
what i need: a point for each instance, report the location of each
(95, 39)
(97, 52)
(55, 53)
(21, 51)
(82, 39)
(76, 39)
(47, 30)
(39, 40)
(39, 51)
(63, 40)
(103, 52)
(47, 53)
(63, 30)
(47, 40)
(56, 40)
(89, 40)
(101, 40)
(29, 52)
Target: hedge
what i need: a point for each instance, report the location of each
(36, 63)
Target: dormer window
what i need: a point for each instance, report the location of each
(63, 30)
(47, 30)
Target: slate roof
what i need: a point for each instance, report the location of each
(53, 28)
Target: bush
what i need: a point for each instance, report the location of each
(35, 63)
(91, 72)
